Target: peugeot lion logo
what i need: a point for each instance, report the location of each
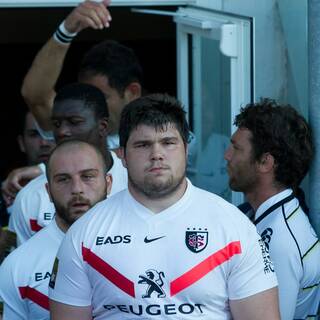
(154, 280)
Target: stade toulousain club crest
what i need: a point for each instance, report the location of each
(196, 239)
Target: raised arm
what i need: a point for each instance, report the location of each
(38, 88)
(38, 85)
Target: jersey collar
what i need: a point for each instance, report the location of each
(272, 204)
(166, 214)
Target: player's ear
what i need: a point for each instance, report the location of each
(266, 163)
(103, 127)
(109, 180)
(132, 91)
(48, 190)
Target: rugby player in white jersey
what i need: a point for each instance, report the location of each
(80, 112)
(77, 180)
(268, 157)
(162, 249)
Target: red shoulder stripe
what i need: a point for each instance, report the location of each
(34, 225)
(34, 295)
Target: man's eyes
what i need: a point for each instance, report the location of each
(142, 145)
(72, 121)
(147, 144)
(88, 177)
(76, 121)
(170, 142)
(62, 179)
(66, 179)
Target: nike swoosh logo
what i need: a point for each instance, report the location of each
(146, 240)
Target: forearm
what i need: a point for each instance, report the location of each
(39, 83)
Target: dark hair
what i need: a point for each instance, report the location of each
(281, 131)
(66, 144)
(113, 60)
(92, 97)
(156, 110)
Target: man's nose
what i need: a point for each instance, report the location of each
(77, 186)
(63, 132)
(157, 152)
(45, 142)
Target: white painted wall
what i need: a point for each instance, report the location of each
(280, 46)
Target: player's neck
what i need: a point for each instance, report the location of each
(261, 194)
(157, 205)
(63, 226)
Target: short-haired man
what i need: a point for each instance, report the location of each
(36, 148)
(162, 249)
(77, 180)
(80, 112)
(269, 155)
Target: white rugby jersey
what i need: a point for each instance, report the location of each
(295, 251)
(32, 209)
(184, 262)
(25, 274)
